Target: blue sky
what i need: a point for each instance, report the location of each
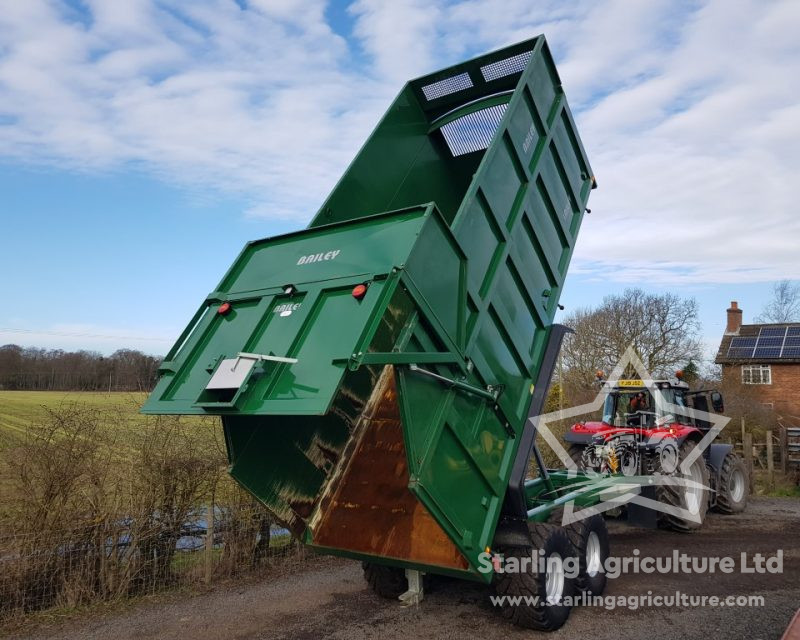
(143, 142)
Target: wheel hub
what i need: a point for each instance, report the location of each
(554, 586)
(736, 485)
(593, 555)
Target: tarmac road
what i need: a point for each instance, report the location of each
(329, 599)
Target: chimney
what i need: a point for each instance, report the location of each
(734, 318)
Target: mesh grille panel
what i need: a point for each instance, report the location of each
(447, 86)
(473, 131)
(507, 67)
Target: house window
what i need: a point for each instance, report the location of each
(756, 374)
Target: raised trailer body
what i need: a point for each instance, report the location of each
(375, 372)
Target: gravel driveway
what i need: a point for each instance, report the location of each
(328, 598)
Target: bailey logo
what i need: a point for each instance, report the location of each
(318, 257)
(284, 310)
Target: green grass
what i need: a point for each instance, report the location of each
(119, 419)
(20, 409)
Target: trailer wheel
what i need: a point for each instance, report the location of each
(733, 485)
(545, 609)
(692, 499)
(387, 582)
(589, 538)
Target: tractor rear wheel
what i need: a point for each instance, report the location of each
(542, 592)
(691, 499)
(733, 485)
(387, 582)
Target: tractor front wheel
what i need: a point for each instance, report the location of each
(576, 452)
(733, 485)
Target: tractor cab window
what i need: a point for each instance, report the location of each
(608, 409)
(680, 401)
(629, 408)
(638, 408)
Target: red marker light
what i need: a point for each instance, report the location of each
(359, 291)
(224, 308)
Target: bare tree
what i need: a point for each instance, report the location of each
(784, 305)
(663, 329)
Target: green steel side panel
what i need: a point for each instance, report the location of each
(319, 323)
(401, 165)
(518, 225)
(459, 456)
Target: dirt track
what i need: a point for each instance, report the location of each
(330, 599)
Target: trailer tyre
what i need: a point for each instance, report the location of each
(692, 499)
(548, 587)
(733, 485)
(387, 582)
(589, 537)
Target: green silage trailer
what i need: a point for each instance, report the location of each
(375, 373)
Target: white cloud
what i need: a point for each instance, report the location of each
(690, 112)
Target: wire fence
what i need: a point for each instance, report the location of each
(97, 505)
(90, 562)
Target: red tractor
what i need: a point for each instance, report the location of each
(648, 431)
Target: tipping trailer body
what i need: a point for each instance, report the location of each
(375, 372)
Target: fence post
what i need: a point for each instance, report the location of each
(209, 551)
(784, 448)
(770, 461)
(747, 445)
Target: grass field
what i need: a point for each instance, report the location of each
(119, 427)
(20, 409)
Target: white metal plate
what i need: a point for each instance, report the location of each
(231, 373)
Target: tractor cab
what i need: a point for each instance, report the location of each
(630, 403)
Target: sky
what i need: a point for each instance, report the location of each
(143, 142)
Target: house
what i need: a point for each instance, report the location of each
(766, 356)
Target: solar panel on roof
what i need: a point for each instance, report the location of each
(791, 352)
(740, 353)
(769, 342)
(772, 331)
(741, 347)
(792, 341)
(767, 352)
(793, 331)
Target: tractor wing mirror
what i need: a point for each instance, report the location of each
(717, 402)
